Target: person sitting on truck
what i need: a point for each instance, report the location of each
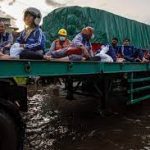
(60, 44)
(146, 55)
(114, 44)
(129, 53)
(80, 47)
(106, 54)
(6, 39)
(30, 44)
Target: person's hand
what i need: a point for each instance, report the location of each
(22, 45)
(145, 60)
(120, 60)
(8, 46)
(47, 57)
(5, 56)
(83, 59)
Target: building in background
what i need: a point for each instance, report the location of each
(9, 21)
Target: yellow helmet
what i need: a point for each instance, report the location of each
(62, 32)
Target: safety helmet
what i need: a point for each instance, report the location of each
(35, 13)
(62, 32)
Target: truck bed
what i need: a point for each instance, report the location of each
(25, 68)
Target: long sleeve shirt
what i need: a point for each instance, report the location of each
(112, 53)
(130, 53)
(5, 39)
(80, 41)
(35, 40)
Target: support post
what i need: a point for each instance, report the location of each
(69, 88)
(131, 86)
(104, 101)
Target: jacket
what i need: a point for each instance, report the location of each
(35, 41)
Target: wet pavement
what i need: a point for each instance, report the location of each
(54, 123)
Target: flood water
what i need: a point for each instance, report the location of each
(54, 123)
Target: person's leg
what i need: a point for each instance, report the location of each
(3, 56)
(27, 54)
(95, 58)
(59, 53)
(66, 59)
(75, 57)
(6, 51)
(85, 53)
(41, 52)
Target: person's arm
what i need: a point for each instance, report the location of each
(8, 43)
(37, 41)
(130, 57)
(20, 38)
(10, 38)
(113, 54)
(70, 42)
(77, 41)
(52, 48)
(91, 51)
(140, 54)
(85, 52)
(134, 56)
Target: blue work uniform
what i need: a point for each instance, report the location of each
(112, 52)
(34, 44)
(5, 39)
(129, 53)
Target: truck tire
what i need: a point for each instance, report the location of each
(8, 132)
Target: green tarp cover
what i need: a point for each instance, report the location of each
(106, 25)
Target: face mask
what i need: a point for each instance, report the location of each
(62, 38)
(93, 36)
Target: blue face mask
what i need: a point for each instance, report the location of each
(62, 38)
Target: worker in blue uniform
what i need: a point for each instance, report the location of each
(31, 42)
(129, 52)
(6, 39)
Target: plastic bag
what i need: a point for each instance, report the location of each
(102, 54)
(15, 50)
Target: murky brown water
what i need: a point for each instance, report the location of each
(58, 124)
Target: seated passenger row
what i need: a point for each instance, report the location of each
(31, 45)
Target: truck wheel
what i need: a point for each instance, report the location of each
(8, 132)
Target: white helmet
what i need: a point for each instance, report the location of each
(34, 12)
